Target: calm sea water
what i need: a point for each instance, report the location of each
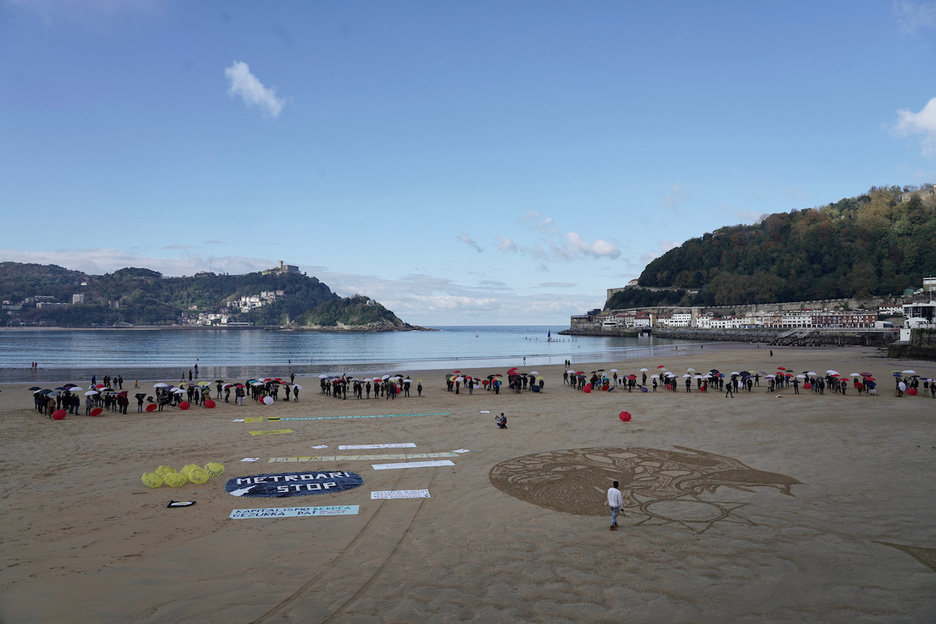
(71, 355)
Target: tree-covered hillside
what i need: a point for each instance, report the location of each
(879, 243)
(143, 297)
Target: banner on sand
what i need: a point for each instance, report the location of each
(285, 484)
(425, 464)
(272, 432)
(337, 458)
(294, 512)
(385, 494)
(355, 447)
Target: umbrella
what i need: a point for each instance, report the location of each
(74, 389)
(34, 388)
(690, 369)
(140, 394)
(160, 385)
(661, 366)
(297, 387)
(90, 392)
(643, 370)
(909, 372)
(614, 370)
(853, 375)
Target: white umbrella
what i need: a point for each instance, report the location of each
(854, 375)
(614, 370)
(297, 387)
(534, 373)
(690, 369)
(801, 376)
(654, 376)
(643, 370)
(160, 385)
(908, 372)
(75, 389)
(90, 392)
(831, 372)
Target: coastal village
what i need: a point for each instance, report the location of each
(892, 318)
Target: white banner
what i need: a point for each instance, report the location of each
(425, 464)
(294, 512)
(385, 494)
(349, 447)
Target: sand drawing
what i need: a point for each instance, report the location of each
(926, 556)
(659, 486)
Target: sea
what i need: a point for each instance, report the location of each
(168, 354)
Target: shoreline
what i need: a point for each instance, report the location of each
(10, 376)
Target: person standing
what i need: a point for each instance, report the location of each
(615, 502)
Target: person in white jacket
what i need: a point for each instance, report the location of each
(615, 502)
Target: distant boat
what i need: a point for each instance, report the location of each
(548, 334)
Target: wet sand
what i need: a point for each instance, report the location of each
(797, 508)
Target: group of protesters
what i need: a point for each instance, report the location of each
(385, 387)
(731, 383)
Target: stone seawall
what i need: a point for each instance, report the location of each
(921, 346)
(784, 337)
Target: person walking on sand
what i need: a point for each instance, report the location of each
(729, 389)
(615, 502)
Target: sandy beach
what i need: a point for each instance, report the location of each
(790, 508)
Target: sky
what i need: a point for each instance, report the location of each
(487, 162)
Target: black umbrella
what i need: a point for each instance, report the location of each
(34, 388)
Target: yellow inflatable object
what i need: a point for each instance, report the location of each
(151, 479)
(162, 471)
(188, 468)
(198, 475)
(175, 479)
(214, 468)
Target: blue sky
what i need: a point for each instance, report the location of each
(462, 163)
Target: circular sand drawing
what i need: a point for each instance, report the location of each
(658, 487)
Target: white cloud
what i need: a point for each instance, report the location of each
(922, 123)
(543, 224)
(505, 244)
(914, 16)
(241, 82)
(469, 241)
(576, 245)
(101, 261)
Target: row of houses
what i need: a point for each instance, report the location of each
(696, 318)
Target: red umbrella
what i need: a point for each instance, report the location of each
(624, 416)
(151, 407)
(59, 414)
(780, 368)
(96, 411)
(209, 404)
(661, 366)
(184, 405)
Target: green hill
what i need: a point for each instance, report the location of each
(879, 243)
(136, 296)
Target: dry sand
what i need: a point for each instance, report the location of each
(709, 533)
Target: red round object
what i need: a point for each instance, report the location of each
(587, 388)
(184, 405)
(96, 411)
(59, 414)
(912, 391)
(625, 416)
(151, 407)
(209, 404)
(807, 386)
